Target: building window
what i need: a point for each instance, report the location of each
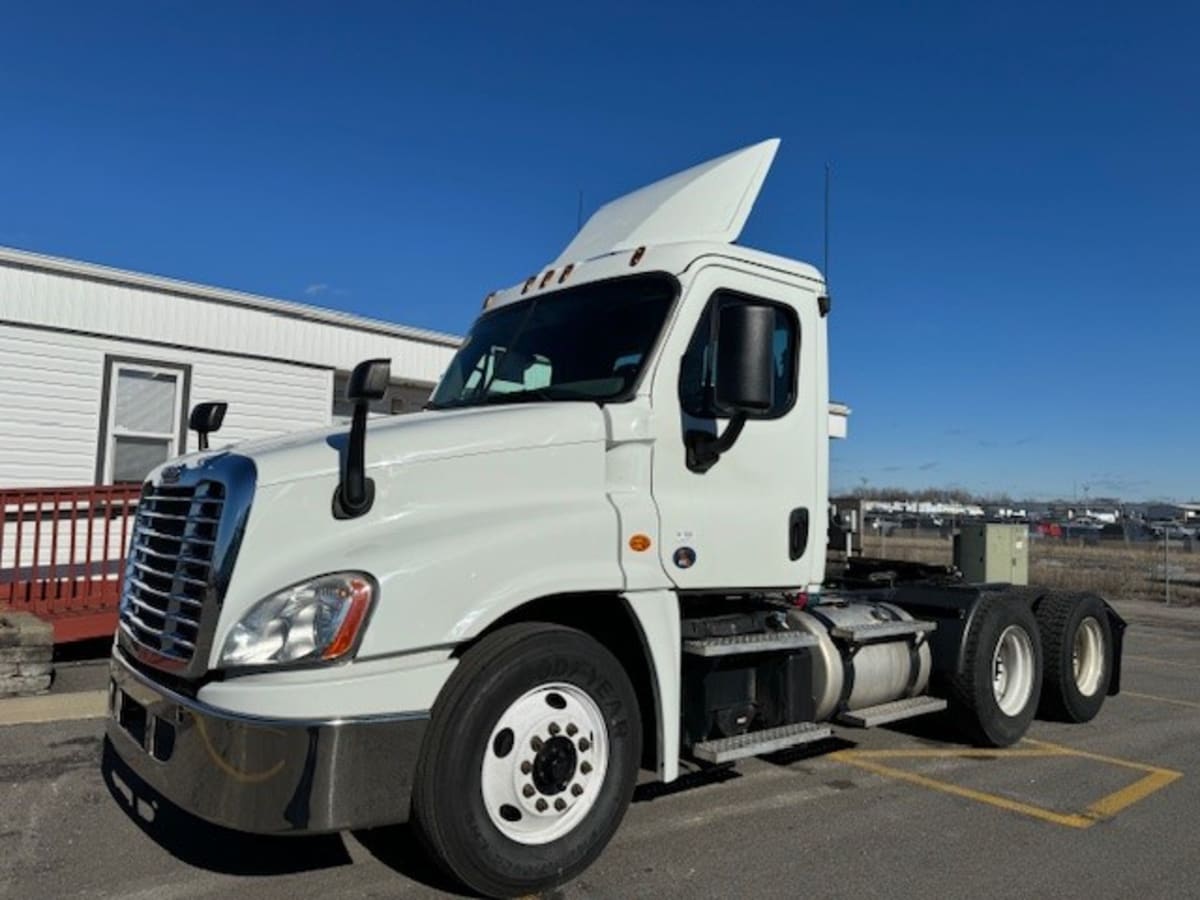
(143, 417)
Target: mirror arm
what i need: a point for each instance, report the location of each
(356, 493)
(703, 449)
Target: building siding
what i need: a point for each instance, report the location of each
(48, 299)
(51, 385)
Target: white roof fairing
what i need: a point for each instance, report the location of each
(709, 202)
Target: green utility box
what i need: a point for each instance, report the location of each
(993, 553)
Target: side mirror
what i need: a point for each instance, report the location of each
(206, 419)
(369, 380)
(355, 491)
(744, 380)
(745, 376)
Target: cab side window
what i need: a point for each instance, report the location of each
(697, 369)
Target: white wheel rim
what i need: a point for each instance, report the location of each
(1088, 656)
(1012, 670)
(544, 764)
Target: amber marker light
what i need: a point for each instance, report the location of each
(567, 270)
(639, 543)
(546, 279)
(637, 256)
(359, 591)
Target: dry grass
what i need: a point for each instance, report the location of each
(1116, 571)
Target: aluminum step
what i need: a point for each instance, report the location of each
(871, 716)
(762, 642)
(756, 743)
(878, 631)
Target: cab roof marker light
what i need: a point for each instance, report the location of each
(637, 256)
(567, 270)
(546, 279)
(528, 284)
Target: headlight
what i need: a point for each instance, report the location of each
(317, 620)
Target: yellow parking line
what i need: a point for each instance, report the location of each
(1155, 697)
(1066, 819)
(1107, 807)
(1155, 778)
(1161, 662)
(944, 752)
(1099, 757)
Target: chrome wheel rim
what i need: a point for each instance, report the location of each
(1012, 670)
(1087, 657)
(544, 764)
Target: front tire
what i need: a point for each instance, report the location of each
(996, 694)
(1078, 656)
(530, 760)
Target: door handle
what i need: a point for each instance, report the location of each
(798, 532)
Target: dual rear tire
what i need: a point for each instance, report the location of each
(1055, 660)
(995, 695)
(1077, 638)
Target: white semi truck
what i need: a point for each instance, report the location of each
(600, 549)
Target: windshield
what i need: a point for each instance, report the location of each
(585, 343)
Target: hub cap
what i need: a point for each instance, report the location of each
(1088, 656)
(544, 764)
(1012, 670)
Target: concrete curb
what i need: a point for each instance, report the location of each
(53, 708)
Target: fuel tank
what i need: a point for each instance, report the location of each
(849, 677)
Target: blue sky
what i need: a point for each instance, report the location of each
(1016, 225)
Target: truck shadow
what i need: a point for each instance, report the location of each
(207, 846)
(397, 847)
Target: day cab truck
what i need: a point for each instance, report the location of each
(600, 549)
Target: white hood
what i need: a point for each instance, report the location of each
(708, 202)
(423, 436)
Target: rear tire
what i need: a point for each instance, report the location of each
(529, 762)
(1077, 651)
(996, 694)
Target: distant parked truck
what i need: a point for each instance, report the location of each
(600, 548)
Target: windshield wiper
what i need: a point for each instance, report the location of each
(549, 393)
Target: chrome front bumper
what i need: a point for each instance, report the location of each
(262, 775)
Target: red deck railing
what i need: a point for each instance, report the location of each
(62, 555)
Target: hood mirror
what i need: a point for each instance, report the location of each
(206, 419)
(355, 492)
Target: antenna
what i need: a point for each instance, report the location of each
(825, 265)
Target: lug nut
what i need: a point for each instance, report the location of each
(536, 744)
(554, 729)
(560, 804)
(571, 729)
(585, 767)
(541, 805)
(526, 767)
(584, 744)
(528, 790)
(576, 790)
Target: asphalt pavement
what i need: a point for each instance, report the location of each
(1108, 809)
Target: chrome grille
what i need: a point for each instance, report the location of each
(171, 567)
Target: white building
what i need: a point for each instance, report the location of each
(99, 367)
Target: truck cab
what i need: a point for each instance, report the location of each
(600, 548)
